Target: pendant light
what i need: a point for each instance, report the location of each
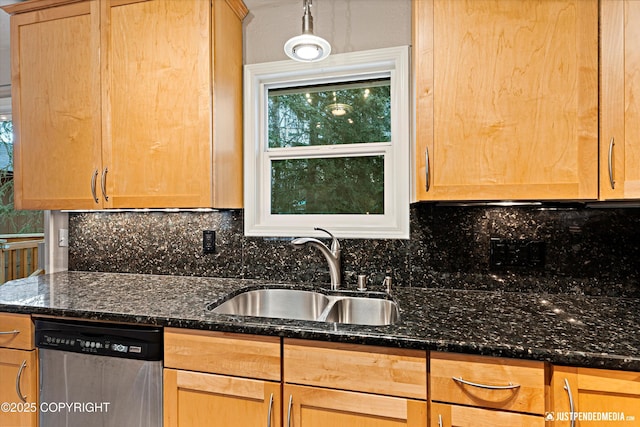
(307, 47)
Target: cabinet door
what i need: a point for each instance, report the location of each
(319, 407)
(18, 374)
(620, 100)
(444, 415)
(56, 106)
(609, 397)
(198, 399)
(157, 103)
(507, 99)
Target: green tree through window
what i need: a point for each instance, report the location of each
(12, 221)
(326, 115)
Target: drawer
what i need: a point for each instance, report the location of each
(491, 382)
(465, 416)
(240, 355)
(369, 369)
(16, 331)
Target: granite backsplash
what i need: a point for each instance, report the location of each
(586, 250)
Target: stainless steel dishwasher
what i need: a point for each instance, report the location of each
(99, 375)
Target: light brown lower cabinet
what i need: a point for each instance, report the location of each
(447, 415)
(320, 407)
(18, 387)
(481, 391)
(201, 399)
(595, 397)
(221, 379)
(333, 384)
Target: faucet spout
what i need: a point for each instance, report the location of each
(332, 255)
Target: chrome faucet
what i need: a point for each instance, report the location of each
(332, 255)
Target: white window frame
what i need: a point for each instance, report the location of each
(372, 64)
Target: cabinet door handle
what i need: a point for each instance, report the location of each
(440, 421)
(270, 409)
(93, 186)
(103, 184)
(567, 387)
(427, 183)
(485, 386)
(289, 411)
(14, 332)
(18, 391)
(612, 182)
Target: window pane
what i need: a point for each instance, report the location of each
(344, 185)
(346, 113)
(6, 146)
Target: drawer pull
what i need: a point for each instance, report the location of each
(270, 409)
(18, 391)
(485, 386)
(289, 411)
(567, 387)
(14, 332)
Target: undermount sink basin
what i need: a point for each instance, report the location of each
(363, 311)
(309, 305)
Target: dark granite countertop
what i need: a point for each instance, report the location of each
(563, 329)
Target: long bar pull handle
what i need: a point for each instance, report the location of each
(289, 411)
(612, 182)
(485, 386)
(567, 387)
(427, 184)
(14, 332)
(93, 186)
(270, 409)
(440, 421)
(103, 184)
(18, 391)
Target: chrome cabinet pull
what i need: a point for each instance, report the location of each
(440, 421)
(270, 409)
(427, 184)
(103, 184)
(612, 182)
(571, 408)
(14, 332)
(485, 386)
(18, 391)
(93, 186)
(289, 411)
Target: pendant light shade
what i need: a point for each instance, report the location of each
(307, 47)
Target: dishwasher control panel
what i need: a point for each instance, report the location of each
(100, 339)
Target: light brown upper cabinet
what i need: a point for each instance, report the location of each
(127, 103)
(620, 100)
(506, 99)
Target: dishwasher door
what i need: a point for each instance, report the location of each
(79, 390)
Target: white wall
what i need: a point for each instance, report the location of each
(349, 25)
(5, 67)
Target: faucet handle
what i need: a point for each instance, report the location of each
(335, 245)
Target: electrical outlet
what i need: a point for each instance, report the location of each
(208, 242)
(63, 237)
(522, 253)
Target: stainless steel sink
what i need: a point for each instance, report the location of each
(279, 303)
(363, 311)
(311, 305)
